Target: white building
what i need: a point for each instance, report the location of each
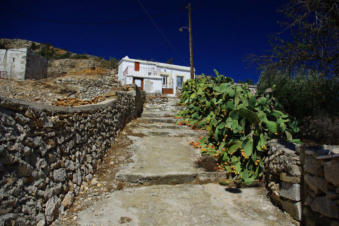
(153, 77)
(22, 64)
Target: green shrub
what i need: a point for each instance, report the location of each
(111, 63)
(47, 51)
(239, 124)
(306, 94)
(79, 56)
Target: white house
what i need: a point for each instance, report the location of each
(153, 77)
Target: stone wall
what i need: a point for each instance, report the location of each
(321, 185)
(60, 67)
(304, 181)
(36, 66)
(282, 172)
(46, 152)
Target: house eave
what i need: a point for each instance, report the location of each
(171, 66)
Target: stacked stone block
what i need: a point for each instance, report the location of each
(46, 152)
(321, 185)
(282, 171)
(304, 181)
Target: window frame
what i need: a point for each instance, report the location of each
(182, 81)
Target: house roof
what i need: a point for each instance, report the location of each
(172, 66)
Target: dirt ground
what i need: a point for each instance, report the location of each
(84, 87)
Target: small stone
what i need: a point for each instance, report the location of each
(41, 222)
(41, 164)
(77, 177)
(331, 170)
(124, 220)
(68, 200)
(94, 181)
(326, 207)
(332, 195)
(59, 175)
(313, 166)
(37, 141)
(293, 208)
(290, 191)
(40, 218)
(24, 169)
(289, 179)
(294, 170)
(69, 165)
(7, 218)
(52, 209)
(316, 184)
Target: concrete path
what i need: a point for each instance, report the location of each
(160, 184)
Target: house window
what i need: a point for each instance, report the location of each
(136, 66)
(149, 73)
(164, 80)
(180, 81)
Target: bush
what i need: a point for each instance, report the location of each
(239, 124)
(47, 51)
(111, 63)
(79, 56)
(304, 95)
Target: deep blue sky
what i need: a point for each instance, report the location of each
(224, 32)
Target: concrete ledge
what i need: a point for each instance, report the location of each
(22, 105)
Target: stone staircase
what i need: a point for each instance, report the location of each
(163, 185)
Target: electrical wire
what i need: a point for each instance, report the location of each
(163, 35)
(49, 20)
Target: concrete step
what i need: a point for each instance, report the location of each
(185, 204)
(160, 130)
(163, 110)
(161, 160)
(174, 126)
(148, 114)
(158, 119)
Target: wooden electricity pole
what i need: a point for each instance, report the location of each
(190, 39)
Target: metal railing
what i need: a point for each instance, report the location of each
(143, 71)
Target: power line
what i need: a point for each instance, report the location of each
(49, 20)
(159, 30)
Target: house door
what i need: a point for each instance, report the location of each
(139, 82)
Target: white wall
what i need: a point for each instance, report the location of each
(153, 85)
(13, 63)
(151, 72)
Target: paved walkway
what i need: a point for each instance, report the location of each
(153, 180)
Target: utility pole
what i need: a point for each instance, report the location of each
(190, 39)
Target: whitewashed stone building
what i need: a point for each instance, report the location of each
(153, 77)
(22, 64)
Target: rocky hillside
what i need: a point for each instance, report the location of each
(60, 61)
(46, 50)
(72, 79)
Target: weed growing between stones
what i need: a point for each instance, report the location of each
(239, 124)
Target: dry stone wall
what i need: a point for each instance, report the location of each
(46, 152)
(304, 181)
(283, 177)
(321, 185)
(60, 67)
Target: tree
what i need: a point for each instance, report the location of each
(303, 65)
(248, 81)
(170, 61)
(309, 39)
